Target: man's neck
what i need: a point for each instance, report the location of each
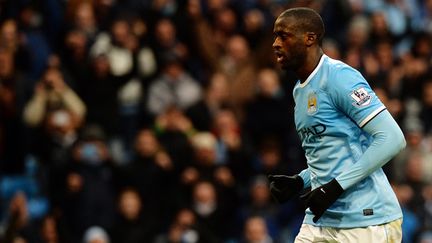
(311, 63)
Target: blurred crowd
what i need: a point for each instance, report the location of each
(158, 120)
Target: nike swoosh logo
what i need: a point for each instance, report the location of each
(321, 189)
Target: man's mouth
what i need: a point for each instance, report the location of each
(279, 56)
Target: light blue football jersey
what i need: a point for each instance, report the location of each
(331, 107)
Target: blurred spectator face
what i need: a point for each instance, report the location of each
(130, 204)
(185, 218)
(204, 198)
(385, 54)
(167, 7)
(227, 129)
(101, 66)
(226, 20)
(147, 146)
(173, 69)
(255, 230)
(237, 48)
(224, 176)
(423, 46)
(104, 3)
(52, 74)
(270, 157)
(76, 42)
(414, 168)
(331, 49)
(204, 144)
(268, 82)
(132, 43)
(96, 234)
(379, 23)
(226, 121)
(52, 78)
(60, 123)
(92, 148)
(253, 20)
(427, 94)
(18, 208)
(91, 152)
(260, 193)
(404, 193)
(358, 32)
(84, 17)
(204, 192)
(139, 28)
(415, 67)
(218, 89)
(9, 34)
(74, 182)
(121, 32)
(353, 58)
(180, 230)
(6, 63)
(19, 239)
(165, 33)
(414, 138)
(49, 230)
(216, 4)
(146, 143)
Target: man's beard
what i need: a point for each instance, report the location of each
(295, 60)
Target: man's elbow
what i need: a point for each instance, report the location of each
(403, 142)
(400, 142)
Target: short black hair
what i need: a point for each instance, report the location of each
(307, 20)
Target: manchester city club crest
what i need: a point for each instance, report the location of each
(312, 106)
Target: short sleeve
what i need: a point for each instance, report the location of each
(352, 95)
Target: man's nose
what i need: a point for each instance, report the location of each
(276, 44)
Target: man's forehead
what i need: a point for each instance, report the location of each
(282, 23)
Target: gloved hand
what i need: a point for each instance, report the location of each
(283, 187)
(321, 198)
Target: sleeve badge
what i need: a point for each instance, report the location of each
(361, 97)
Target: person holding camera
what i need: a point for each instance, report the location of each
(52, 93)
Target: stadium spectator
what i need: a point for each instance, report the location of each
(151, 165)
(133, 224)
(260, 204)
(96, 234)
(51, 93)
(88, 196)
(173, 87)
(186, 228)
(214, 99)
(268, 115)
(255, 230)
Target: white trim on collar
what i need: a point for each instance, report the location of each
(301, 85)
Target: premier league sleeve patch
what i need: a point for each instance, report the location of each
(361, 97)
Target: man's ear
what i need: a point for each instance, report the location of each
(310, 38)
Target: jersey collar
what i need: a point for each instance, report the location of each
(301, 85)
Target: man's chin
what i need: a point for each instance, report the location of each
(286, 67)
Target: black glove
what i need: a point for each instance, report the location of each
(321, 198)
(283, 187)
